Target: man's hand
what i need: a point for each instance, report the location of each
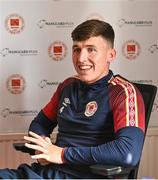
(41, 160)
(49, 152)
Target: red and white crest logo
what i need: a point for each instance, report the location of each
(131, 49)
(91, 108)
(14, 23)
(16, 84)
(57, 50)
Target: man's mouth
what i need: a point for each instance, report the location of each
(84, 67)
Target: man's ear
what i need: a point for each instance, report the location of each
(111, 55)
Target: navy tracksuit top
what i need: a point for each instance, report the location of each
(102, 122)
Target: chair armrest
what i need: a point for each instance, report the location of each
(21, 147)
(104, 170)
(110, 170)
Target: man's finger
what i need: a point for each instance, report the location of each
(48, 140)
(36, 147)
(39, 156)
(35, 135)
(34, 140)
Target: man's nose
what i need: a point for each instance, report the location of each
(83, 56)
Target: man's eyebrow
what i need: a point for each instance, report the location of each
(88, 45)
(74, 46)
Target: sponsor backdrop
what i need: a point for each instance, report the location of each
(35, 49)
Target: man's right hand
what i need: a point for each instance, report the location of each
(41, 161)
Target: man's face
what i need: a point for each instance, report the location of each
(91, 58)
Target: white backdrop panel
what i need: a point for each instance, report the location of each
(29, 76)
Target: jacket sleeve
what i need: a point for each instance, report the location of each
(46, 120)
(124, 150)
(42, 125)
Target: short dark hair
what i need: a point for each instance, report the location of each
(93, 28)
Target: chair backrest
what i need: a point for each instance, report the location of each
(149, 93)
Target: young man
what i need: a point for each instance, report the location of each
(100, 116)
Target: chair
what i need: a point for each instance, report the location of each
(112, 171)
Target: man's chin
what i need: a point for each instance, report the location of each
(86, 80)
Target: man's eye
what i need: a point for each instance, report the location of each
(76, 50)
(91, 50)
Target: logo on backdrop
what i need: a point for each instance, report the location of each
(139, 23)
(57, 51)
(6, 51)
(131, 49)
(14, 24)
(153, 48)
(44, 83)
(16, 84)
(6, 112)
(58, 24)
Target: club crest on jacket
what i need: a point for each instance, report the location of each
(91, 108)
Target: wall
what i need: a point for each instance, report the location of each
(149, 160)
(35, 49)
